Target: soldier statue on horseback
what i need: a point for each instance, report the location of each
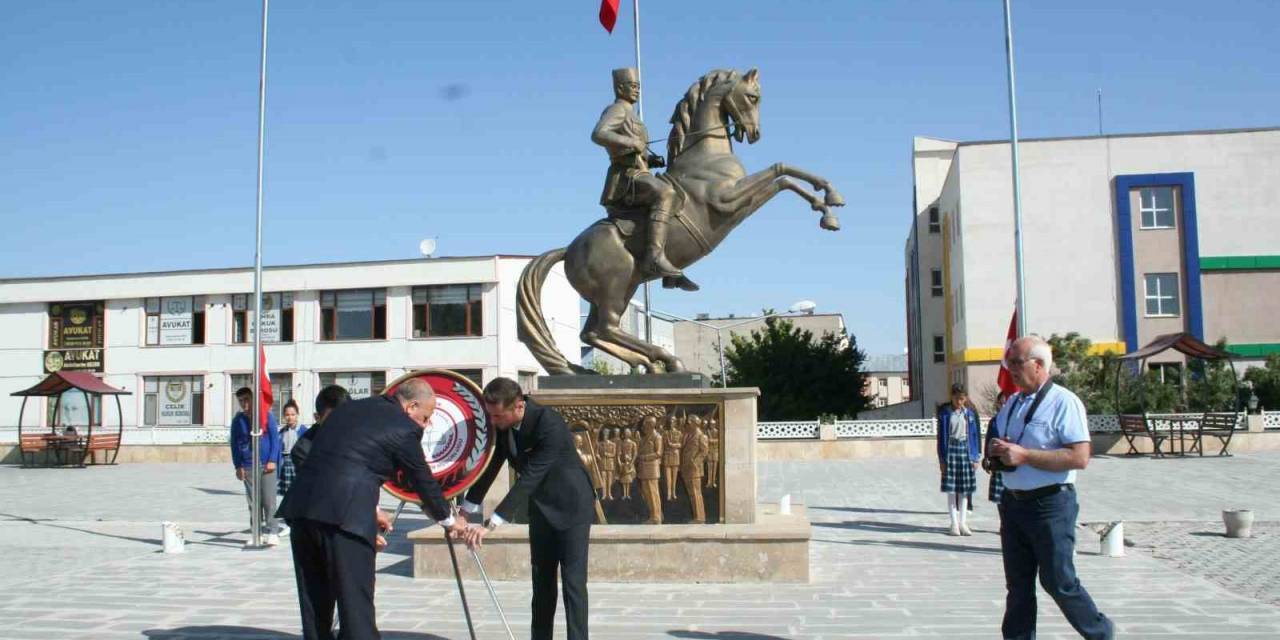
(628, 184)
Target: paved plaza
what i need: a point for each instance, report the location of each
(80, 551)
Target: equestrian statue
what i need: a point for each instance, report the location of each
(659, 224)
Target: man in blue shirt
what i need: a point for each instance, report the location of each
(1043, 432)
(269, 454)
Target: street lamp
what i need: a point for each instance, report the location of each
(801, 307)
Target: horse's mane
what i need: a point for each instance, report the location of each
(682, 119)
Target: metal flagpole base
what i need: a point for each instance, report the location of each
(492, 594)
(462, 593)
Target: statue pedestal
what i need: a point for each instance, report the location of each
(708, 444)
(773, 549)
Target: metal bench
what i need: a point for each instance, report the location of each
(1134, 426)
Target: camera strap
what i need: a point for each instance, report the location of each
(1035, 404)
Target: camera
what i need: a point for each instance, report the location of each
(996, 464)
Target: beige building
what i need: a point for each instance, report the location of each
(1125, 237)
(887, 381)
(697, 342)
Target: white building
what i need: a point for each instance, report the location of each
(887, 382)
(182, 342)
(1125, 237)
(698, 344)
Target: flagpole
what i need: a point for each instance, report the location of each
(255, 426)
(635, 30)
(1017, 181)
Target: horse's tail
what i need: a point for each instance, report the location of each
(531, 326)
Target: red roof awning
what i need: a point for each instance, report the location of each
(61, 381)
(1183, 343)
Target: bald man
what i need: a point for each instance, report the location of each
(334, 538)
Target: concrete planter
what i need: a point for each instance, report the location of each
(1239, 523)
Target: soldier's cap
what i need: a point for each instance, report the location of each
(625, 74)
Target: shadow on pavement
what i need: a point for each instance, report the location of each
(47, 523)
(723, 635)
(869, 510)
(218, 492)
(880, 527)
(932, 546)
(210, 632)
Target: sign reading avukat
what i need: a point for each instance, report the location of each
(659, 225)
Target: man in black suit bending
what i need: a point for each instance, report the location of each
(332, 503)
(537, 443)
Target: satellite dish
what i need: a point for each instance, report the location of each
(427, 247)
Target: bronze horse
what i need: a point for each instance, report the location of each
(716, 195)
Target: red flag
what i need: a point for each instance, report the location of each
(266, 396)
(608, 14)
(1004, 379)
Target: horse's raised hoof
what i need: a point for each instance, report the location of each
(830, 223)
(834, 199)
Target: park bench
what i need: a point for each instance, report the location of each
(1215, 425)
(104, 442)
(1134, 426)
(31, 444)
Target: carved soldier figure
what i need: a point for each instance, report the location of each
(588, 460)
(629, 183)
(693, 455)
(673, 439)
(628, 449)
(608, 460)
(648, 467)
(713, 452)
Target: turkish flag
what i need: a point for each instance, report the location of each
(1004, 379)
(267, 397)
(608, 14)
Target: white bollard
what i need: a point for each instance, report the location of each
(784, 505)
(1112, 540)
(171, 534)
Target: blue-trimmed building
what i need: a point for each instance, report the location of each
(1126, 237)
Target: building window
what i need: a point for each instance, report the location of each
(173, 400)
(935, 222)
(277, 317)
(939, 349)
(353, 314)
(360, 384)
(935, 282)
(178, 320)
(1169, 373)
(449, 310)
(1156, 206)
(281, 390)
(1162, 294)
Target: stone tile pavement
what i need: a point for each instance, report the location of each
(79, 558)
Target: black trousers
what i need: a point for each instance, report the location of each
(333, 566)
(1038, 536)
(565, 551)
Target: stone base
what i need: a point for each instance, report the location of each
(687, 380)
(773, 549)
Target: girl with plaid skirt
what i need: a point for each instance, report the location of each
(958, 456)
(290, 431)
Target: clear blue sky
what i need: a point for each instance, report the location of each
(128, 129)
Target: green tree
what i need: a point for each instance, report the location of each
(800, 377)
(1266, 382)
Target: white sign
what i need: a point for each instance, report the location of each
(175, 321)
(270, 318)
(357, 384)
(175, 401)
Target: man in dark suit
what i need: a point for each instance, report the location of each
(537, 443)
(332, 503)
